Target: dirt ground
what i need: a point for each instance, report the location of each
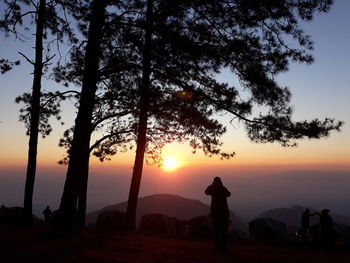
(36, 245)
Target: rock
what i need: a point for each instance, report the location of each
(113, 219)
(11, 215)
(201, 226)
(160, 224)
(265, 229)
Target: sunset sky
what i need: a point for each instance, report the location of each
(319, 90)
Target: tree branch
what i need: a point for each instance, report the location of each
(31, 62)
(119, 114)
(59, 94)
(50, 58)
(99, 141)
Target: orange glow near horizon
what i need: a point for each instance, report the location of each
(309, 155)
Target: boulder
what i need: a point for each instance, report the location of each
(236, 234)
(267, 229)
(201, 226)
(341, 235)
(112, 219)
(11, 215)
(160, 224)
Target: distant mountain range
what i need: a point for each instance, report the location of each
(168, 204)
(252, 194)
(185, 209)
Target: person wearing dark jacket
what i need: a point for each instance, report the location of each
(305, 224)
(326, 224)
(219, 212)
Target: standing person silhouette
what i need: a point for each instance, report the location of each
(47, 214)
(326, 223)
(305, 224)
(219, 212)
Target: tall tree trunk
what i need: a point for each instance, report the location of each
(34, 115)
(78, 167)
(142, 125)
(82, 199)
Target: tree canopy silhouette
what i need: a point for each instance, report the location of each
(156, 64)
(185, 45)
(116, 110)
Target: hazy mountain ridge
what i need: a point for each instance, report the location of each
(168, 204)
(318, 189)
(252, 190)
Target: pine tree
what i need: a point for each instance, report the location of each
(164, 56)
(45, 18)
(185, 45)
(76, 181)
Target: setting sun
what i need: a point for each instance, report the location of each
(170, 163)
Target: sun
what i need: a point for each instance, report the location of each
(170, 163)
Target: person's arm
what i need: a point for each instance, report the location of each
(209, 190)
(227, 192)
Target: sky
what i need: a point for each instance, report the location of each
(318, 90)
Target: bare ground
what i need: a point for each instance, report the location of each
(35, 245)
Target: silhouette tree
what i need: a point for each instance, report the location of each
(175, 49)
(116, 105)
(143, 117)
(248, 38)
(44, 16)
(79, 151)
(115, 115)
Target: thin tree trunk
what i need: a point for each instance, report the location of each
(78, 167)
(34, 115)
(142, 125)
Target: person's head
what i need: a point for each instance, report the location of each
(307, 210)
(217, 181)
